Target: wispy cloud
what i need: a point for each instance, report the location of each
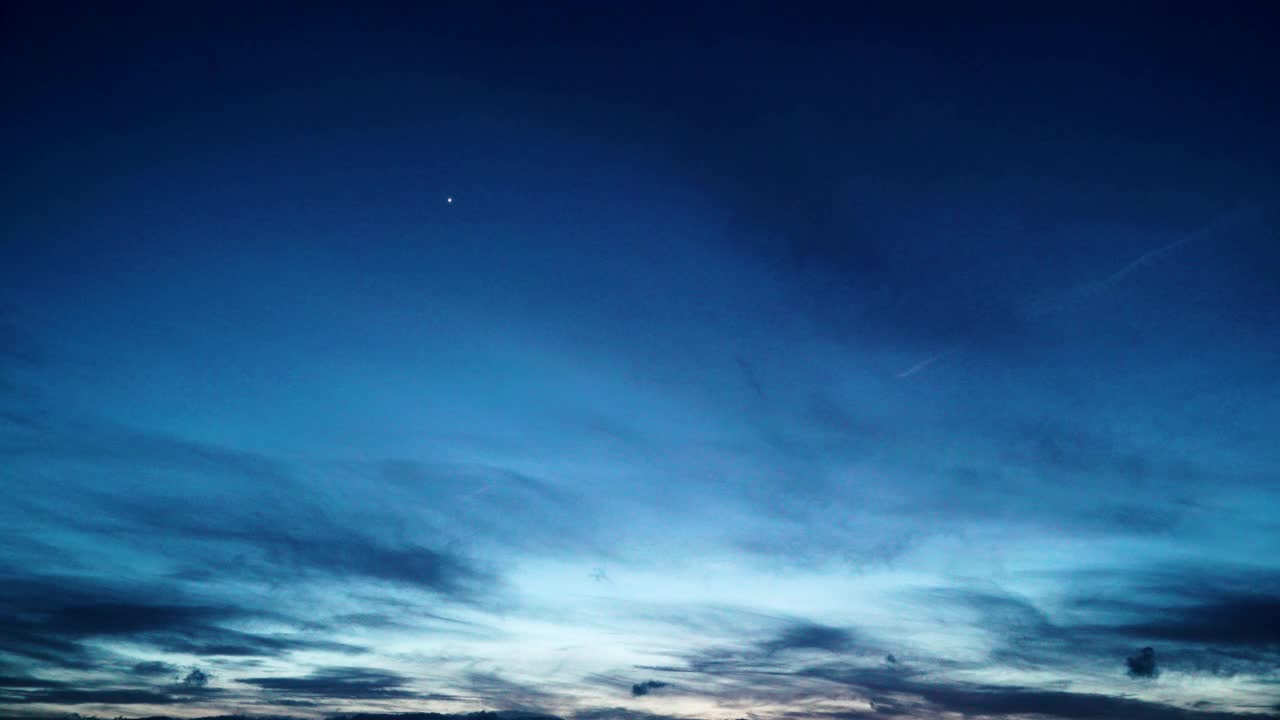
(1084, 291)
(349, 683)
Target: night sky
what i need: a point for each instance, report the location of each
(640, 361)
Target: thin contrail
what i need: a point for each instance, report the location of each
(1079, 293)
(927, 362)
(1086, 290)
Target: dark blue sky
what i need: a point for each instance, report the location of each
(770, 361)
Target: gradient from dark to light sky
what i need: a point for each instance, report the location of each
(769, 363)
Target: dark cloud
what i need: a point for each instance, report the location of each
(1219, 662)
(25, 628)
(293, 702)
(811, 636)
(50, 620)
(9, 681)
(644, 688)
(21, 639)
(617, 713)
(1143, 665)
(197, 678)
(128, 618)
(153, 668)
(97, 696)
(348, 683)
(1219, 620)
(481, 715)
(1251, 620)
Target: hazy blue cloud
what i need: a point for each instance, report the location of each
(298, 537)
(507, 694)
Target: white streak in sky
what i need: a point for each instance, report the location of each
(926, 362)
(1086, 290)
(1081, 292)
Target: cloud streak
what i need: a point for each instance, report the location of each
(1085, 291)
(339, 683)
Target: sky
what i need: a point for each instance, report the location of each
(640, 361)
